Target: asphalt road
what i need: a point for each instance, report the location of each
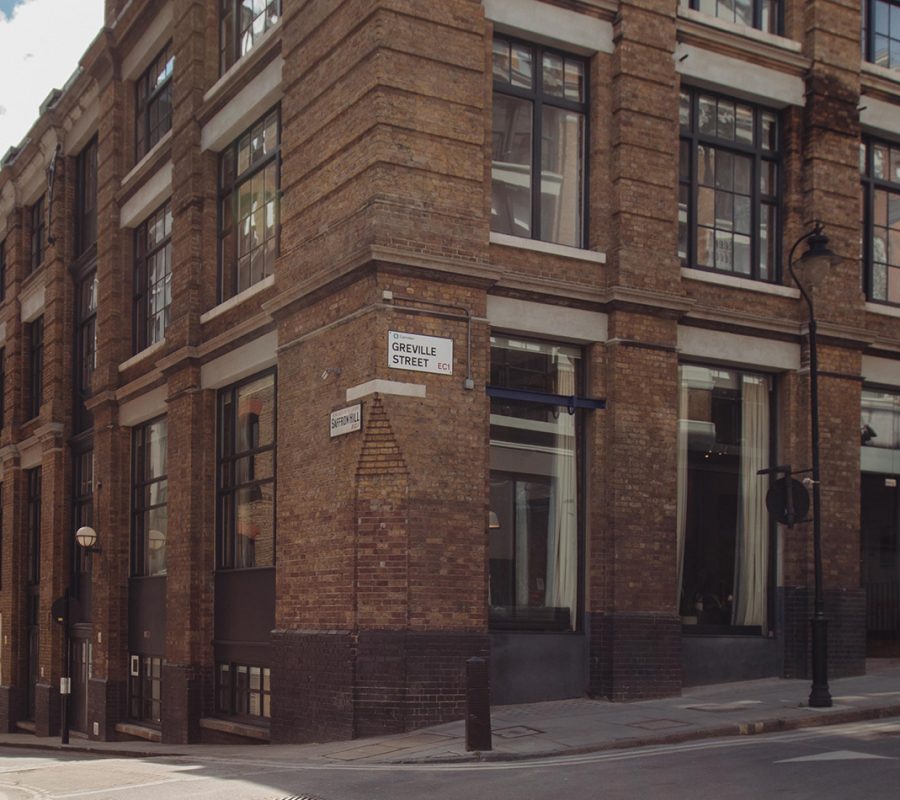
(833, 763)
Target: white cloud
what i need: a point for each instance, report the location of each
(40, 46)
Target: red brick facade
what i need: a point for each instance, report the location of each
(380, 586)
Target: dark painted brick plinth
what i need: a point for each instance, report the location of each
(12, 707)
(635, 656)
(107, 706)
(339, 685)
(182, 687)
(845, 610)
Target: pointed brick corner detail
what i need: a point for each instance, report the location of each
(380, 453)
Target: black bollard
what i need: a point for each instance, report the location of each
(478, 705)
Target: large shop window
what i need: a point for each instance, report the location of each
(762, 14)
(247, 474)
(153, 102)
(150, 520)
(534, 521)
(244, 691)
(723, 526)
(879, 165)
(242, 24)
(539, 143)
(145, 688)
(728, 186)
(152, 278)
(248, 206)
(881, 32)
(880, 425)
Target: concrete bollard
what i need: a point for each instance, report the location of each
(478, 705)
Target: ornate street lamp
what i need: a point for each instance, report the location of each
(816, 261)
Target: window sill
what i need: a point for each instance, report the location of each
(886, 73)
(233, 302)
(146, 159)
(145, 353)
(244, 63)
(746, 31)
(689, 273)
(883, 309)
(139, 731)
(243, 729)
(537, 246)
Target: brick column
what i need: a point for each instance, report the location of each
(190, 548)
(13, 646)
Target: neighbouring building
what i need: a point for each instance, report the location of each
(373, 335)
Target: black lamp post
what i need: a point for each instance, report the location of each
(816, 261)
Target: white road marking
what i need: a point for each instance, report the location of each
(834, 755)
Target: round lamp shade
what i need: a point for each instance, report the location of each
(86, 536)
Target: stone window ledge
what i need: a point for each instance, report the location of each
(235, 728)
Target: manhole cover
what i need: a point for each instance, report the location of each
(515, 732)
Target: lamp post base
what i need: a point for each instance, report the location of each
(819, 696)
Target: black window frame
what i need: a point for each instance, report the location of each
(758, 6)
(227, 460)
(231, 36)
(34, 397)
(86, 165)
(229, 192)
(33, 525)
(143, 326)
(539, 99)
(534, 390)
(2, 387)
(869, 186)
(86, 301)
(153, 92)
(234, 699)
(2, 270)
(82, 506)
(701, 628)
(869, 35)
(145, 689)
(141, 484)
(689, 181)
(38, 227)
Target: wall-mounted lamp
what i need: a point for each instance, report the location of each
(86, 537)
(866, 434)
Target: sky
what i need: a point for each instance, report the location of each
(41, 42)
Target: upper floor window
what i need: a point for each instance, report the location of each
(34, 394)
(881, 32)
(539, 136)
(149, 528)
(880, 422)
(879, 165)
(247, 474)
(2, 270)
(242, 23)
(153, 102)
(249, 182)
(86, 341)
(33, 523)
(38, 234)
(2, 386)
(728, 186)
(762, 14)
(83, 508)
(152, 278)
(86, 204)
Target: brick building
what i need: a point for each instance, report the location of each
(372, 335)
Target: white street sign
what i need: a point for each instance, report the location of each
(419, 353)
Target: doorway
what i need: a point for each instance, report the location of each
(879, 566)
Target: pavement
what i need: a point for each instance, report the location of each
(563, 727)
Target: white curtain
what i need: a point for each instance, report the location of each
(752, 545)
(562, 538)
(681, 483)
